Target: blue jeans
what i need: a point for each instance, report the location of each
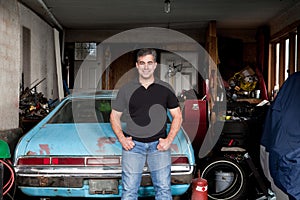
(159, 163)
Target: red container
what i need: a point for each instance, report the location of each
(199, 186)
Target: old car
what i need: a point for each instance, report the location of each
(73, 152)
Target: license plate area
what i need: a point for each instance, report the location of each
(106, 186)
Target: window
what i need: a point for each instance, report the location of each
(284, 57)
(85, 111)
(85, 51)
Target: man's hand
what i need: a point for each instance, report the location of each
(115, 121)
(127, 143)
(164, 144)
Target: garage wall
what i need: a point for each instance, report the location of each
(39, 55)
(286, 18)
(42, 57)
(9, 64)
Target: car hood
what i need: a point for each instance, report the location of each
(71, 139)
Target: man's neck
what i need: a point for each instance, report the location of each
(146, 82)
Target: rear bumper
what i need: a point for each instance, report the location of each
(47, 182)
(78, 182)
(177, 190)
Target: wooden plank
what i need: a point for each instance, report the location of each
(58, 65)
(250, 100)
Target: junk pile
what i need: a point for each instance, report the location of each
(243, 84)
(33, 107)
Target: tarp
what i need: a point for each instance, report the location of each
(281, 137)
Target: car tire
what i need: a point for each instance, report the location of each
(226, 179)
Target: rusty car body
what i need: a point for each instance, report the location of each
(73, 152)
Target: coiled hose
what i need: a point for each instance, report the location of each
(9, 184)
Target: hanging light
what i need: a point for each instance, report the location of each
(167, 6)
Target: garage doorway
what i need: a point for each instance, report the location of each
(26, 57)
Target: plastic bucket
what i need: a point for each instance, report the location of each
(223, 180)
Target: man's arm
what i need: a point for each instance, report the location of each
(115, 121)
(164, 144)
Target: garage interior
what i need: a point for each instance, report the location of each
(44, 43)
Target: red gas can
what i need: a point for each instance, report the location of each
(199, 186)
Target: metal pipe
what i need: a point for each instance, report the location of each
(40, 8)
(49, 14)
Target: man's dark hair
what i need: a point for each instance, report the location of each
(144, 52)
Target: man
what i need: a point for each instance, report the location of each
(144, 102)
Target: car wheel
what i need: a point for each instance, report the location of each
(226, 179)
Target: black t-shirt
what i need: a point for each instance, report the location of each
(145, 110)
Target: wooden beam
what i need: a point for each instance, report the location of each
(263, 49)
(212, 41)
(298, 48)
(272, 68)
(212, 48)
(292, 55)
(287, 29)
(281, 62)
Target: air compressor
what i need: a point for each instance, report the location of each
(199, 188)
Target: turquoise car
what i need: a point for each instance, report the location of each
(73, 152)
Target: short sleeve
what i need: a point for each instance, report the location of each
(119, 104)
(172, 100)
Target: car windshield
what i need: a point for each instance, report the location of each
(83, 111)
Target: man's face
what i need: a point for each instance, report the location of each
(146, 66)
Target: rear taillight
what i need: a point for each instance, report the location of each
(71, 161)
(179, 160)
(34, 161)
(67, 161)
(103, 161)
